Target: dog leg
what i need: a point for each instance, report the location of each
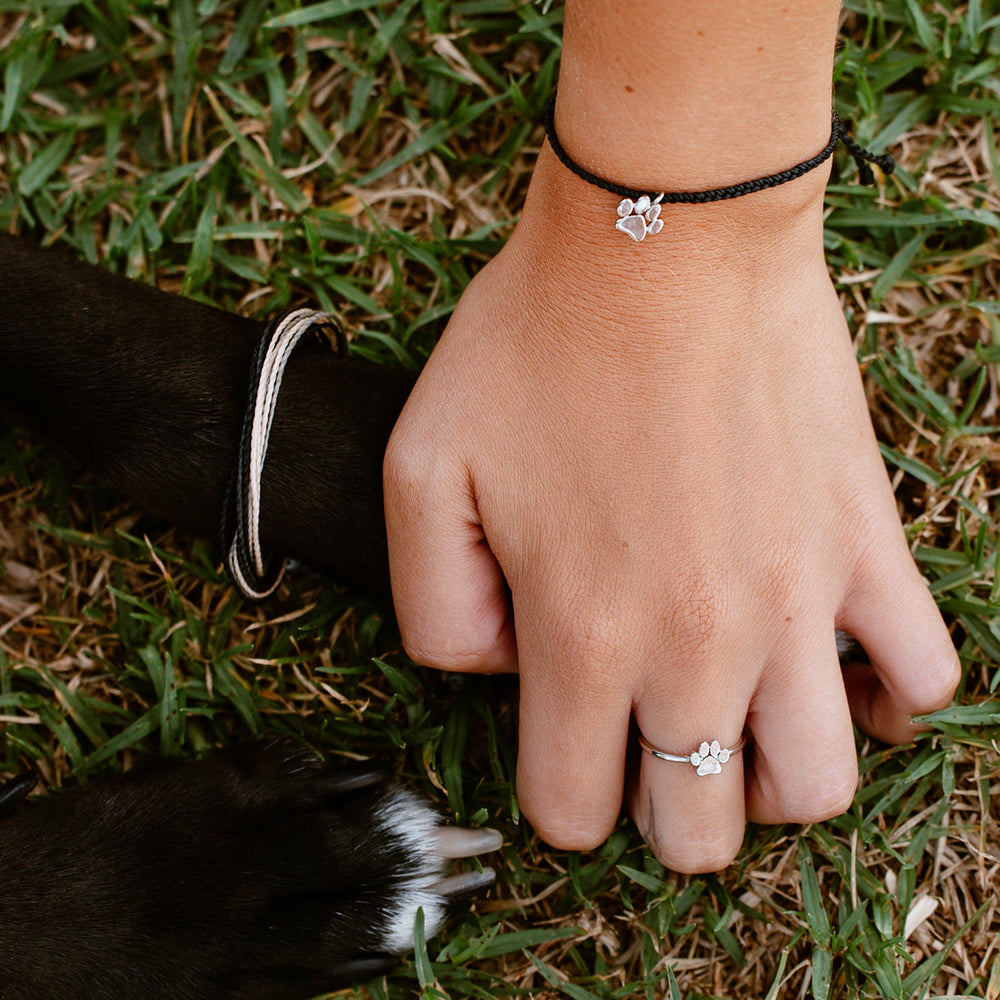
(148, 391)
(263, 872)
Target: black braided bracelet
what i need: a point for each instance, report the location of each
(639, 211)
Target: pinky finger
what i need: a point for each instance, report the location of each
(914, 667)
(873, 709)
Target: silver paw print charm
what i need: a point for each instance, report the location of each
(709, 759)
(640, 218)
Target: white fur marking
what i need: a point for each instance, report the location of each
(408, 819)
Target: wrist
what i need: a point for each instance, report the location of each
(716, 275)
(656, 153)
(567, 215)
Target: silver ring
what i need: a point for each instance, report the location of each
(707, 759)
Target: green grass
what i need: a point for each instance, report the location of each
(369, 156)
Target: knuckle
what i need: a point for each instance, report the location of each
(405, 467)
(782, 577)
(934, 685)
(700, 623)
(790, 591)
(592, 635)
(566, 807)
(450, 652)
(569, 829)
(568, 836)
(702, 856)
(854, 505)
(822, 798)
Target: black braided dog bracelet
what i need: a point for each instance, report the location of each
(639, 211)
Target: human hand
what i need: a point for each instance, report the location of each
(663, 451)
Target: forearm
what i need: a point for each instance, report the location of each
(722, 91)
(695, 93)
(148, 391)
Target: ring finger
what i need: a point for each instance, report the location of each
(693, 817)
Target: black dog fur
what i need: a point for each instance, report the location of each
(148, 390)
(264, 873)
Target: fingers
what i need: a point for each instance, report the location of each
(805, 765)
(449, 593)
(693, 817)
(574, 719)
(693, 822)
(873, 708)
(914, 666)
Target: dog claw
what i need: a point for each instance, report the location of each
(366, 967)
(461, 842)
(466, 884)
(352, 779)
(14, 791)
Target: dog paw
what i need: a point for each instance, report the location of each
(406, 821)
(263, 872)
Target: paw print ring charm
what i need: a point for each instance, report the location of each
(709, 758)
(640, 218)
